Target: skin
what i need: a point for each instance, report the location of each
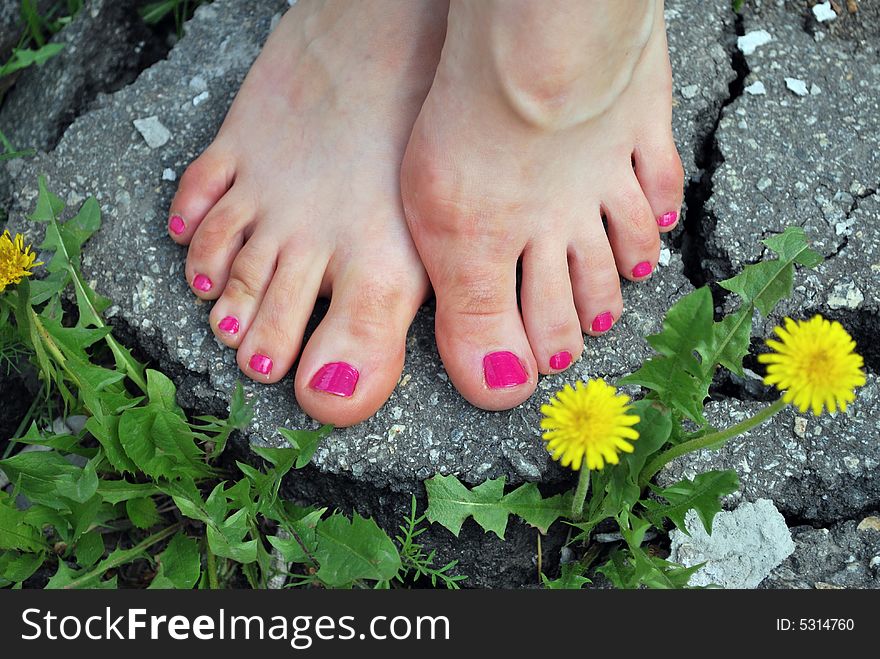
(337, 173)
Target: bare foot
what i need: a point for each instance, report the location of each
(543, 118)
(298, 197)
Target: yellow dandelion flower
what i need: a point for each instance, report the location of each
(16, 260)
(588, 421)
(815, 364)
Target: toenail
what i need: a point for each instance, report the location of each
(176, 225)
(228, 325)
(642, 269)
(602, 322)
(337, 378)
(560, 360)
(260, 364)
(202, 283)
(668, 219)
(503, 369)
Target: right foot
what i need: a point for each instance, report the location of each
(298, 197)
(542, 119)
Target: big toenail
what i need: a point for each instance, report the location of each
(668, 219)
(260, 364)
(643, 269)
(202, 283)
(560, 360)
(177, 225)
(602, 322)
(503, 369)
(337, 378)
(228, 325)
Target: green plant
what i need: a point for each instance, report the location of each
(141, 493)
(813, 363)
(180, 10)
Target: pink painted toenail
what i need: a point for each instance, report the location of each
(642, 269)
(260, 364)
(202, 283)
(503, 369)
(177, 225)
(560, 360)
(602, 322)
(337, 378)
(668, 219)
(228, 325)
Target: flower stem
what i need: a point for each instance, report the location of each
(580, 494)
(706, 441)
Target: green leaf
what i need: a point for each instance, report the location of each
(450, 503)
(179, 565)
(106, 431)
(351, 550)
(305, 441)
(674, 384)
(702, 494)
(121, 490)
(572, 578)
(16, 567)
(764, 284)
(730, 341)
(83, 487)
(526, 502)
(15, 532)
(22, 58)
(686, 327)
(142, 512)
(654, 428)
(299, 547)
(49, 205)
(162, 392)
(39, 475)
(89, 548)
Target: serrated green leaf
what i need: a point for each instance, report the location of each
(730, 341)
(49, 205)
(571, 578)
(305, 441)
(179, 565)
(654, 428)
(162, 392)
(350, 550)
(240, 551)
(702, 494)
(764, 284)
(526, 502)
(450, 503)
(82, 487)
(106, 430)
(89, 548)
(16, 567)
(674, 384)
(300, 547)
(39, 474)
(687, 326)
(121, 490)
(15, 531)
(142, 512)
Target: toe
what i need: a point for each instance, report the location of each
(202, 185)
(273, 338)
(632, 231)
(661, 177)
(594, 281)
(353, 361)
(216, 243)
(548, 310)
(480, 334)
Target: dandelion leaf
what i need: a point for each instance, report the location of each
(702, 494)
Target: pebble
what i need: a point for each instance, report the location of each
(752, 40)
(201, 98)
(690, 91)
(823, 12)
(168, 174)
(764, 183)
(815, 89)
(845, 296)
(797, 85)
(665, 256)
(800, 426)
(153, 131)
(757, 88)
(871, 523)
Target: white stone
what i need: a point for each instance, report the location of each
(665, 256)
(764, 183)
(154, 133)
(815, 89)
(757, 88)
(690, 91)
(168, 174)
(198, 84)
(797, 85)
(845, 296)
(823, 12)
(745, 546)
(752, 40)
(201, 98)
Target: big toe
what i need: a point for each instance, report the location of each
(354, 359)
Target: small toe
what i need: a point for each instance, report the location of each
(595, 282)
(632, 231)
(202, 185)
(661, 177)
